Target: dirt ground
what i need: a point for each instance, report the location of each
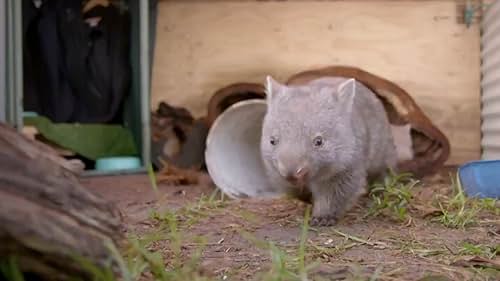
(358, 248)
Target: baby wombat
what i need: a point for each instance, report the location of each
(330, 136)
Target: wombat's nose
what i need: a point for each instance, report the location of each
(299, 175)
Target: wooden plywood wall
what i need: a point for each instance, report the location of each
(420, 45)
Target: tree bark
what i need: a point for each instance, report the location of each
(46, 217)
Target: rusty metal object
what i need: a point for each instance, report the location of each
(230, 95)
(431, 147)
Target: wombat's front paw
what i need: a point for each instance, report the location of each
(324, 221)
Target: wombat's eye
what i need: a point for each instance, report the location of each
(273, 141)
(318, 141)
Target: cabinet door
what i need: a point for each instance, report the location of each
(3, 21)
(13, 67)
(138, 108)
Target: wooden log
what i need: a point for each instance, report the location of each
(46, 217)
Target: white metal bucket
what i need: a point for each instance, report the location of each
(232, 154)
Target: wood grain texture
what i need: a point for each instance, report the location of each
(419, 45)
(47, 218)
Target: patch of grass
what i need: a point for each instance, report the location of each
(457, 219)
(192, 213)
(247, 216)
(152, 177)
(285, 265)
(139, 258)
(214, 201)
(420, 249)
(356, 272)
(359, 240)
(334, 249)
(485, 274)
(9, 269)
(161, 269)
(434, 277)
(280, 267)
(490, 204)
(303, 269)
(330, 249)
(485, 251)
(326, 251)
(176, 268)
(392, 196)
(458, 211)
(97, 273)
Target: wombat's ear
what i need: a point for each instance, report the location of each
(347, 90)
(272, 88)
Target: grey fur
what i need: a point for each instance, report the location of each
(357, 142)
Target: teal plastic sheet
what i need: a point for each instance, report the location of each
(92, 141)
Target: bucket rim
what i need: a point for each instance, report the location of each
(216, 177)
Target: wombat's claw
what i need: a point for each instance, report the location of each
(324, 221)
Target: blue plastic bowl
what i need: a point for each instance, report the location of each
(481, 178)
(29, 114)
(117, 163)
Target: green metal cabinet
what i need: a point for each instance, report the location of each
(137, 111)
